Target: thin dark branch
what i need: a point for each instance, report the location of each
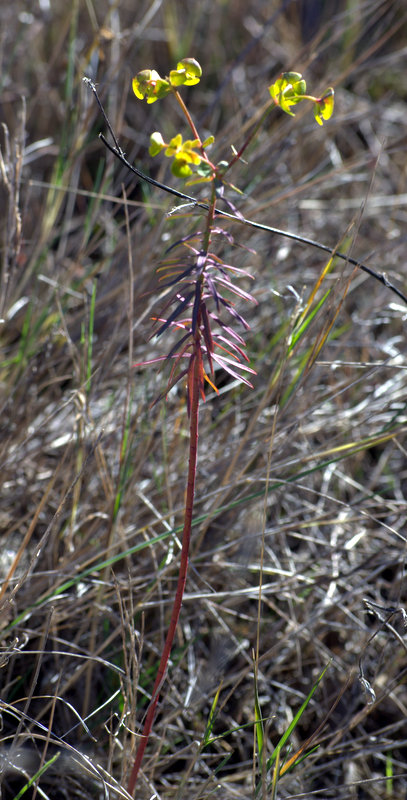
(118, 152)
(105, 117)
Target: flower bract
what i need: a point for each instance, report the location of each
(288, 90)
(156, 143)
(149, 85)
(324, 106)
(188, 73)
(183, 153)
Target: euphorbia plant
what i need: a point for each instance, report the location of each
(202, 289)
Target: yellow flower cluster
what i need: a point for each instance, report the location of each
(148, 84)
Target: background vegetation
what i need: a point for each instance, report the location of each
(302, 481)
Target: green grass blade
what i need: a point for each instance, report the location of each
(211, 719)
(276, 773)
(304, 324)
(35, 777)
(258, 725)
(286, 735)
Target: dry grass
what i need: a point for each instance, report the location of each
(302, 482)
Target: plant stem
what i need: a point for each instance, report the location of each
(250, 137)
(191, 124)
(209, 221)
(182, 576)
(187, 115)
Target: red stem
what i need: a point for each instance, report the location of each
(192, 126)
(251, 136)
(182, 576)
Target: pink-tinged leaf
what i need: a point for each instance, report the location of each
(174, 375)
(190, 237)
(207, 334)
(234, 313)
(168, 387)
(222, 232)
(177, 311)
(206, 325)
(150, 361)
(213, 291)
(228, 330)
(235, 289)
(223, 363)
(216, 263)
(231, 206)
(235, 347)
(201, 372)
(213, 260)
(196, 306)
(237, 271)
(172, 353)
(179, 277)
(222, 360)
(228, 352)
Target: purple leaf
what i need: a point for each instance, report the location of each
(177, 311)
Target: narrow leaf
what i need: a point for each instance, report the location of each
(177, 311)
(295, 721)
(211, 718)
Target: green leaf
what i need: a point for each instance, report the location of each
(174, 145)
(288, 90)
(204, 169)
(180, 168)
(156, 143)
(210, 140)
(188, 149)
(188, 73)
(193, 70)
(148, 85)
(141, 80)
(292, 77)
(161, 89)
(177, 78)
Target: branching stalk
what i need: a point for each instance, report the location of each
(379, 276)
